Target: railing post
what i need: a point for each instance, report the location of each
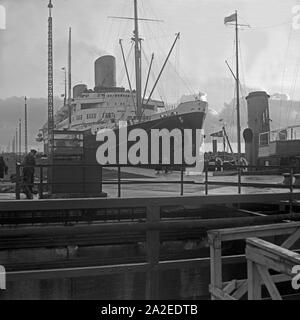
(206, 178)
(239, 180)
(181, 181)
(215, 262)
(153, 249)
(119, 181)
(41, 185)
(254, 283)
(18, 182)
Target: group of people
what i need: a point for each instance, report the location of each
(27, 165)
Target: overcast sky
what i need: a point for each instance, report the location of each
(270, 56)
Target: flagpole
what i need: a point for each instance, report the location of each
(238, 89)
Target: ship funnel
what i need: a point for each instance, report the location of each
(105, 72)
(78, 90)
(258, 122)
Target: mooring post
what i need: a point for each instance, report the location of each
(153, 249)
(41, 183)
(18, 178)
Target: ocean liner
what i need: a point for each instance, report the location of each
(107, 105)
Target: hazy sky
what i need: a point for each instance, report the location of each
(270, 56)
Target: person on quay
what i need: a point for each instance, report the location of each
(28, 165)
(3, 168)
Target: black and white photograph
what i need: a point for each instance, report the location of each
(149, 153)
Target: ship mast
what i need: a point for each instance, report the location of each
(238, 89)
(70, 77)
(138, 72)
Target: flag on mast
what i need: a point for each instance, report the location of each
(231, 18)
(218, 134)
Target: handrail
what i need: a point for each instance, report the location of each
(182, 181)
(262, 256)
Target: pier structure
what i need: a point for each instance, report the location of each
(72, 241)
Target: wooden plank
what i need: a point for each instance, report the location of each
(238, 233)
(242, 285)
(75, 272)
(153, 250)
(254, 282)
(230, 287)
(241, 290)
(257, 257)
(96, 203)
(218, 294)
(134, 227)
(290, 241)
(216, 264)
(277, 253)
(198, 262)
(267, 279)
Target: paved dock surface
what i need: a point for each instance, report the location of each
(161, 189)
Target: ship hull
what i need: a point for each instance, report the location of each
(190, 120)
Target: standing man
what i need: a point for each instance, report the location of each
(3, 168)
(28, 165)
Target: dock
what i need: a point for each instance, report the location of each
(148, 248)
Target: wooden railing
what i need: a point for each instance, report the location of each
(262, 256)
(236, 289)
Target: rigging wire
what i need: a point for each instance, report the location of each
(122, 75)
(284, 71)
(292, 91)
